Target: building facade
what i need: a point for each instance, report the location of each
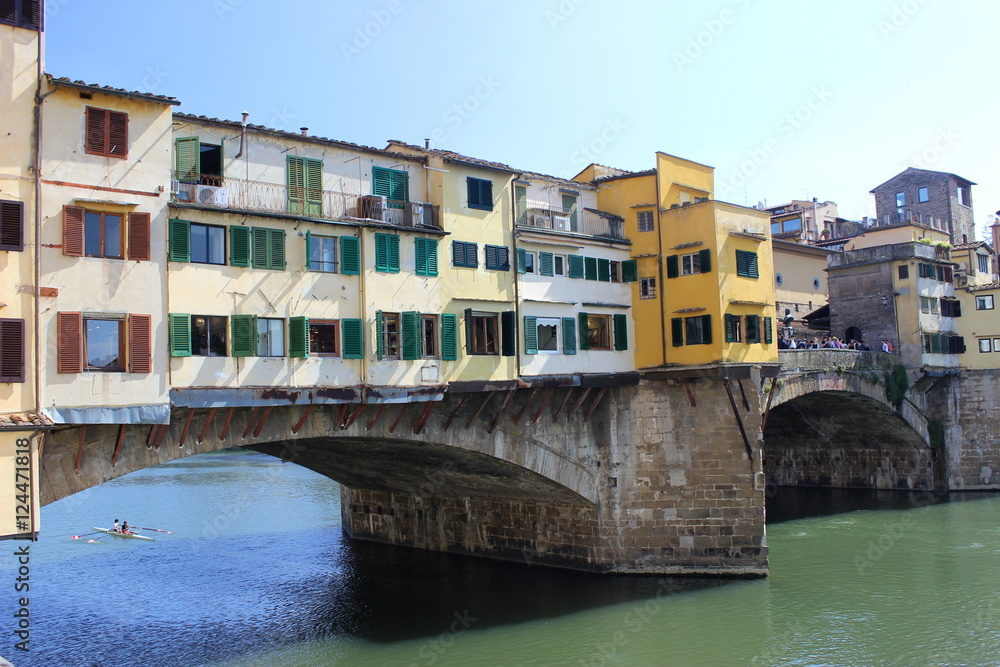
(937, 199)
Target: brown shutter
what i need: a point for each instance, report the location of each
(96, 137)
(11, 225)
(138, 236)
(73, 231)
(117, 134)
(139, 344)
(11, 350)
(70, 335)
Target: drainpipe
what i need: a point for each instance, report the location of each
(364, 312)
(243, 134)
(662, 291)
(517, 281)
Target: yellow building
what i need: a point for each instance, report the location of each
(980, 325)
(799, 278)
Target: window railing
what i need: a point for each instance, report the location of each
(585, 221)
(259, 196)
(907, 215)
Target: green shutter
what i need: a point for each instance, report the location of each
(394, 253)
(387, 253)
(621, 332)
(295, 177)
(180, 240)
(677, 331)
(521, 260)
(754, 272)
(768, 331)
(379, 337)
(353, 337)
(350, 256)
(239, 246)
(411, 335)
(426, 256)
(276, 249)
(469, 347)
(392, 184)
(449, 337)
(508, 333)
(673, 270)
(380, 181)
(244, 335)
(604, 270)
(313, 182)
(630, 271)
(308, 249)
(706, 324)
(258, 254)
(746, 264)
(584, 331)
(187, 151)
(705, 260)
(180, 335)
(530, 335)
(569, 335)
(730, 328)
(576, 266)
(298, 337)
(590, 268)
(545, 264)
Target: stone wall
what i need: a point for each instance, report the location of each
(972, 439)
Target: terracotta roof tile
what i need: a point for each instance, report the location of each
(111, 90)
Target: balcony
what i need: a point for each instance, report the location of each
(260, 197)
(909, 216)
(588, 222)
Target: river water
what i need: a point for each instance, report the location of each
(257, 572)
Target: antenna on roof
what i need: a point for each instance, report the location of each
(427, 144)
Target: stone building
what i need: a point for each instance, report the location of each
(936, 198)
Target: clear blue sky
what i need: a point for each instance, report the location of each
(786, 98)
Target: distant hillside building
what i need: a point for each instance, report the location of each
(935, 198)
(803, 221)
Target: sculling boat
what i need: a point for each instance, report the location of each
(128, 535)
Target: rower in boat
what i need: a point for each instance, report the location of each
(116, 527)
(125, 528)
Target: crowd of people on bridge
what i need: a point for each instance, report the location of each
(827, 342)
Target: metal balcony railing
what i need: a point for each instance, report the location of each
(588, 222)
(910, 216)
(258, 196)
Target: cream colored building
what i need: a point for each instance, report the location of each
(799, 278)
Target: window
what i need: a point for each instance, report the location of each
(11, 350)
(322, 253)
(324, 338)
(604, 270)
(393, 184)
(569, 202)
(996, 344)
(528, 261)
(904, 272)
(984, 302)
(951, 308)
(11, 225)
(546, 265)
(559, 265)
(644, 219)
(482, 333)
(789, 225)
(690, 264)
(208, 336)
(944, 274)
(480, 193)
(615, 269)
(753, 328)
(928, 305)
(497, 257)
(900, 200)
(387, 253)
(923, 195)
(465, 254)
(734, 328)
(548, 335)
(778, 279)
(426, 252)
(104, 344)
(106, 133)
(196, 162)
(965, 195)
(97, 342)
(647, 288)
(270, 337)
(698, 262)
(388, 341)
(429, 336)
(208, 244)
(691, 330)
(576, 266)
(590, 268)
(22, 13)
(353, 337)
(102, 235)
(983, 263)
(596, 331)
(305, 185)
(268, 248)
(984, 345)
(943, 343)
(746, 264)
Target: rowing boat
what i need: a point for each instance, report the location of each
(130, 535)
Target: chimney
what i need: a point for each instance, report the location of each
(305, 131)
(427, 144)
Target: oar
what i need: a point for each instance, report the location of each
(159, 530)
(76, 537)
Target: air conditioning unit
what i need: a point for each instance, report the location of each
(414, 214)
(538, 220)
(961, 281)
(561, 222)
(211, 195)
(372, 207)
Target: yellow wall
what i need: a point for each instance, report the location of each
(976, 325)
(799, 266)
(891, 235)
(682, 180)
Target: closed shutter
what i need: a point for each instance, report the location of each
(705, 260)
(569, 335)
(521, 260)
(392, 184)
(508, 333)
(179, 241)
(350, 256)
(730, 328)
(138, 236)
(12, 225)
(426, 252)
(469, 334)
(621, 332)
(259, 255)
(449, 337)
(590, 268)
(411, 335)
(117, 134)
(677, 331)
(768, 330)
(545, 264)
(458, 253)
(530, 335)
(706, 328)
(239, 246)
(604, 270)
(244, 335)
(379, 336)
(673, 268)
(295, 175)
(298, 337)
(73, 231)
(180, 334)
(503, 258)
(576, 266)
(746, 264)
(276, 249)
(187, 155)
(387, 253)
(308, 250)
(394, 253)
(472, 255)
(313, 187)
(11, 350)
(70, 336)
(140, 343)
(630, 271)
(584, 331)
(353, 334)
(96, 121)
(492, 262)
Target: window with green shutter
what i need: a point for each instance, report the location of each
(268, 248)
(497, 258)
(393, 184)
(298, 337)
(179, 242)
(673, 266)
(350, 256)
(508, 333)
(480, 193)
(604, 270)
(590, 268)
(353, 333)
(569, 335)
(677, 331)
(621, 332)
(180, 335)
(426, 256)
(546, 264)
(705, 257)
(753, 328)
(465, 254)
(187, 155)
(630, 271)
(387, 253)
(734, 330)
(746, 264)
(768, 331)
(411, 335)
(530, 334)
(239, 246)
(522, 260)
(576, 266)
(449, 337)
(305, 186)
(244, 335)
(584, 319)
